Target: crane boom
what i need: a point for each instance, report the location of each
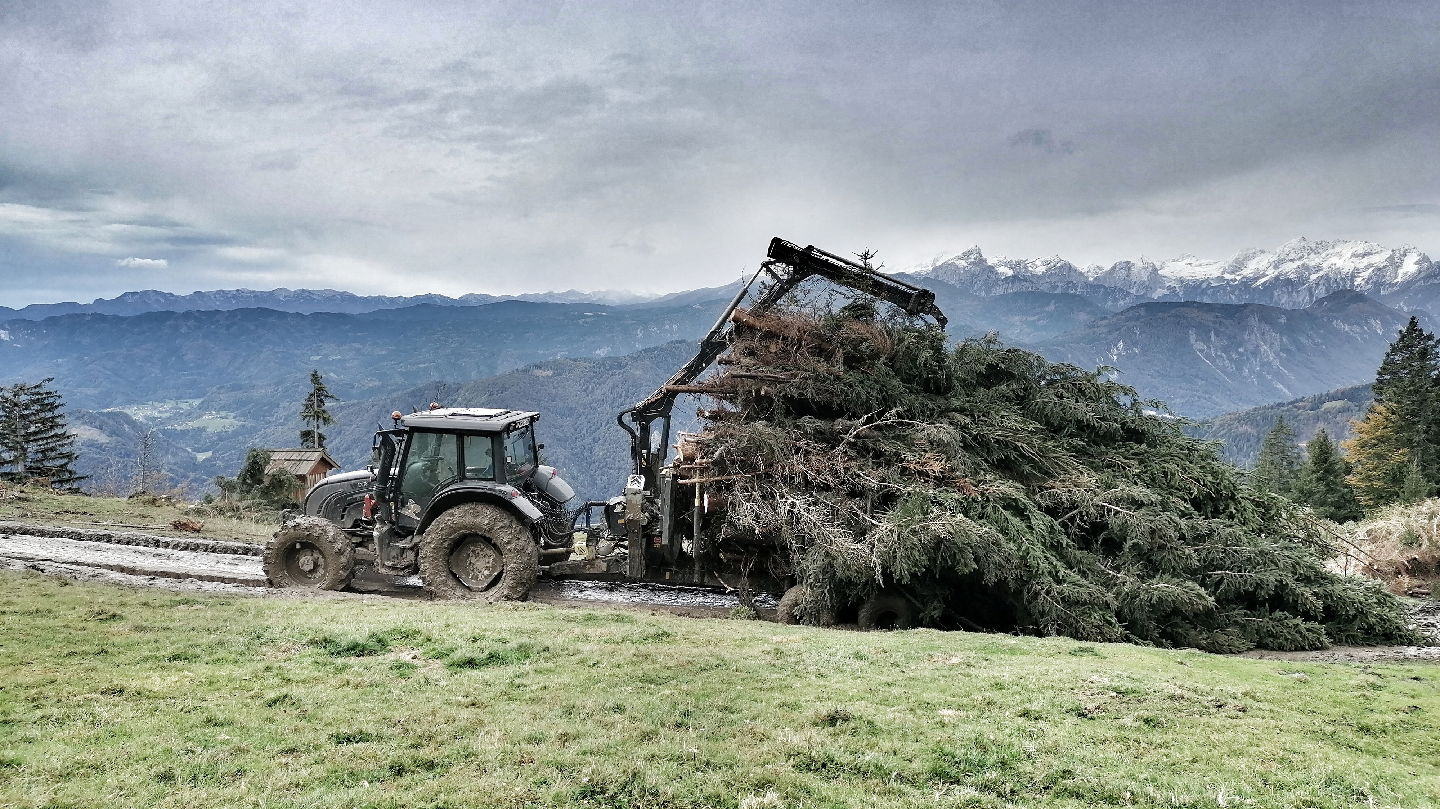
(787, 265)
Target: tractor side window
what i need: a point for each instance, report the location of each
(480, 457)
(433, 460)
(520, 457)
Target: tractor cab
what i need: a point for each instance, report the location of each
(448, 453)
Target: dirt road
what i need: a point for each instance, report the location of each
(221, 566)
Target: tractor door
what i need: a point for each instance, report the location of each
(521, 455)
(432, 460)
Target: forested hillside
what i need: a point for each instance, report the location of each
(1242, 432)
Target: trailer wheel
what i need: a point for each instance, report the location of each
(478, 552)
(888, 610)
(309, 554)
(787, 611)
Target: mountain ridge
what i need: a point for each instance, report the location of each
(1294, 275)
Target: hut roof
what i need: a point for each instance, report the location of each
(298, 461)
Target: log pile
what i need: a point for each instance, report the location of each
(993, 489)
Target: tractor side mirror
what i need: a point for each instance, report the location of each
(539, 446)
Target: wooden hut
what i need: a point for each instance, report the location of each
(308, 466)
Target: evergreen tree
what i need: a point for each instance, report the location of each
(1406, 382)
(1322, 484)
(1410, 361)
(1413, 487)
(1379, 456)
(35, 442)
(1277, 469)
(315, 414)
(255, 485)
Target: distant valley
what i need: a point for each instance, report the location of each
(215, 373)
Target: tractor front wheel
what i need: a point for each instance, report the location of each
(309, 554)
(478, 552)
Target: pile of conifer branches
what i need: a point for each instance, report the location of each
(997, 490)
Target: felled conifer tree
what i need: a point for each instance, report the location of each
(998, 490)
(1321, 483)
(1277, 469)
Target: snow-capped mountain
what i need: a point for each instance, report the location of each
(1294, 275)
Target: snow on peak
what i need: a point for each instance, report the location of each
(1325, 265)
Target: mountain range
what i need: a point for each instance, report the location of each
(214, 374)
(1296, 274)
(304, 301)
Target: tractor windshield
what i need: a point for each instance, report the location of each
(520, 454)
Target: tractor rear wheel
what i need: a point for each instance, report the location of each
(478, 552)
(309, 554)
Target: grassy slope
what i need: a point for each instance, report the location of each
(46, 506)
(115, 697)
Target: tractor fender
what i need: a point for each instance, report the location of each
(548, 482)
(499, 494)
(337, 496)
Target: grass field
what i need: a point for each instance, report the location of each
(46, 506)
(112, 697)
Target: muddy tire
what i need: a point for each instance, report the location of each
(309, 554)
(788, 610)
(478, 552)
(886, 611)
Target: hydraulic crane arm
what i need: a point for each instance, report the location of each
(787, 266)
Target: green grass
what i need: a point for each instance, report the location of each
(115, 697)
(46, 506)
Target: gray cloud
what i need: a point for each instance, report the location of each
(650, 146)
(1041, 139)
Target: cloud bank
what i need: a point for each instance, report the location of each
(503, 147)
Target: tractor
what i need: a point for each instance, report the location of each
(459, 496)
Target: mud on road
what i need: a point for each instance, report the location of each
(222, 566)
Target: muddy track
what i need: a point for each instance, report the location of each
(221, 566)
(210, 565)
(131, 538)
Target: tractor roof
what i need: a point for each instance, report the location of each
(478, 419)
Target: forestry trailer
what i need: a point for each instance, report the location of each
(459, 496)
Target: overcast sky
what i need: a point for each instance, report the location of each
(504, 147)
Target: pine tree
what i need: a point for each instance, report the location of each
(1411, 358)
(1379, 456)
(1322, 484)
(1277, 469)
(1406, 382)
(1413, 487)
(35, 443)
(314, 413)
